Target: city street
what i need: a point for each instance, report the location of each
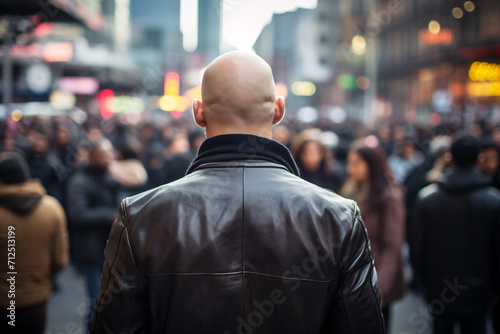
(241, 149)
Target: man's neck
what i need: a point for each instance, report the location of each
(262, 132)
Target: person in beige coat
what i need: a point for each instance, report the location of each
(34, 247)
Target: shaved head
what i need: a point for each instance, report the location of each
(238, 96)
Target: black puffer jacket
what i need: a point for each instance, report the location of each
(455, 248)
(238, 246)
(92, 206)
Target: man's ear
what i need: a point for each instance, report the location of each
(279, 109)
(199, 114)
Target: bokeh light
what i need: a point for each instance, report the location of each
(434, 27)
(457, 12)
(337, 115)
(303, 88)
(17, 115)
(469, 6)
(167, 103)
(363, 82)
(371, 141)
(307, 114)
(359, 45)
(435, 119)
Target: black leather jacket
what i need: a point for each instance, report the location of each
(238, 247)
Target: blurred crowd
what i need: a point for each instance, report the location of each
(90, 168)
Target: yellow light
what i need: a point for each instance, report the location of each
(358, 45)
(62, 100)
(303, 88)
(182, 103)
(193, 93)
(168, 102)
(434, 27)
(17, 115)
(483, 89)
(469, 6)
(483, 71)
(172, 81)
(457, 12)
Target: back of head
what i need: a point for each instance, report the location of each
(465, 150)
(129, 148)
(238, 95)
(13, 168)
(101, 153)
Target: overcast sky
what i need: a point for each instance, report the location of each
(242, 20)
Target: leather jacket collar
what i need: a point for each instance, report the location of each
(232, 147)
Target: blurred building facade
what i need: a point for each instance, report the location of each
(300, 46)
(157, 39)
(64, 55)
(422, 62)
(209, 28)
(442, 66)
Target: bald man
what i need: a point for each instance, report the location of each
(240, 244)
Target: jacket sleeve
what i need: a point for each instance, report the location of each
(82, 216)
(357, 309)
(60, 246)
(393, 236)
(122, 302)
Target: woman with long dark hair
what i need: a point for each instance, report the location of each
(315, 160)
(371, 184)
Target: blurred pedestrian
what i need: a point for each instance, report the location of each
(489, 161)
(454, 243)
(426, 173)
(241, 243)
(92, 207)
(315, 160)
(33, 236)
(154, 165)
(384, 136)
(127, 170)
(405, 159)
(282, 134)
(44, 165)
(495, 134)
(66, 152)
(381, 201)
(179, 159)
(196, 138)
